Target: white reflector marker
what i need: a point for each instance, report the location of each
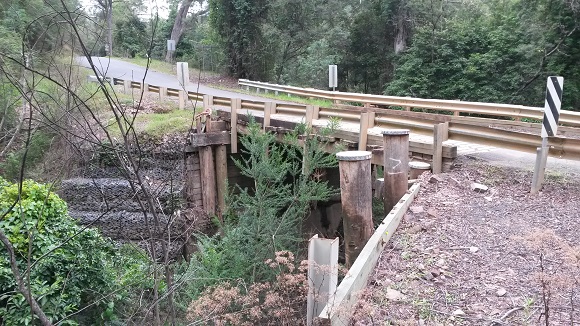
(552, 106)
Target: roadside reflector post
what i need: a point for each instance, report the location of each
(183, 74)
(322, 275)
(552, 107)
(332, 77)
(356, 196)
(395, 166)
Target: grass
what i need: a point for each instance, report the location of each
(158, 124)
(164, 67)
(156, 65)
(290, 98)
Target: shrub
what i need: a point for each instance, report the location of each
(70, 268)
(281, 302)
(266, 218)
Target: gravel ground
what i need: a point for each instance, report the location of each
(499, 257)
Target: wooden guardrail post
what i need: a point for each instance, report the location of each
(127, 87)
(145, 88)
(396, 165)
(207, 102)
(182, 99)
(356, 197)
(440, 134)
(315, 112)
(269, 109)
(162, 92)
(367, 120)
(363, 132)
(309, 115)
(236, 105)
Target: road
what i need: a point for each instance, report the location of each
(115, 68)
(125, 70)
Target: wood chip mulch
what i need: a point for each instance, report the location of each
(497, 257)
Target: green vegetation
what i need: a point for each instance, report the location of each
(260, 222)
(70, 268)
(157, 124)
(154, 64)
(292, 98)
(38, 145)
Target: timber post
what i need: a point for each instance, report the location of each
(440, 134)
(127, 87)
(357, 203)
(396, 165)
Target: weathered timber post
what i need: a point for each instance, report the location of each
(396, 165)
(208, 180)
(207, 102)
(162, 92)
(367, 120)
(440, 132)
(127, 87)
(236, 105)
(221, 171)
(269, 109)
(309, 115)
(182, 99)
(357, 203)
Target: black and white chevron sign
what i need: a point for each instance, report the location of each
(552, 106)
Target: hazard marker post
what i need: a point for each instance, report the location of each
(552, 108)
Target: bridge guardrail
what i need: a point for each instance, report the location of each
(570, 118)
(474, 130)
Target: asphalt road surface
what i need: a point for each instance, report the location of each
(124, 70)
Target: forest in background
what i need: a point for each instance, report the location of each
(492, 51)
(473, 50)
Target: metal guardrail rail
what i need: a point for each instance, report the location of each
(491, 132)
(570, 118)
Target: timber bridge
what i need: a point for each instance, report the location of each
(440, 130)
(377, 131)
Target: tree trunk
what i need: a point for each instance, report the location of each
(179, 25)
(109, 13)
(107, 6)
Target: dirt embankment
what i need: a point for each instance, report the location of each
(499, 257)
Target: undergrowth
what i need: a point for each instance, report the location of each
(260, 221)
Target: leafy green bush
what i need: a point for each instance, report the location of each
(266, 218)
(39, 143)
(70, 268)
